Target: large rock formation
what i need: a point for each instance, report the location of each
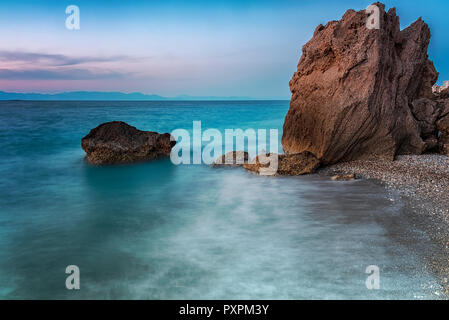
(363, 93)
(117, 142)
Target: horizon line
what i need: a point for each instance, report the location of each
(120, 96)
(165, 100)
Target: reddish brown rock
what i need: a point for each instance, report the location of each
(444, 94)
(233, 159)
(117, 143)
(443, 128)
(354, 88)
(432, 116)
(287, 165)
(426, 113)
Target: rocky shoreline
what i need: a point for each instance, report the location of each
(425, 177)
(422, 183)
(361, 97)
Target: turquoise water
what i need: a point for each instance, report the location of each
(159, 231)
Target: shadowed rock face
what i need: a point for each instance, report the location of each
(443, 127)
(355, 88)
(117, 143)
(444, 94)
(426, 113)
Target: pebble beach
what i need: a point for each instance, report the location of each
(422, 183)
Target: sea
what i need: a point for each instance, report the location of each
(157, 230)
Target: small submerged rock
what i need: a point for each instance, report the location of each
(118, 143)
(232, 159)
(346, 177)
(288, 165)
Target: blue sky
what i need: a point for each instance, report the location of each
(200, 48)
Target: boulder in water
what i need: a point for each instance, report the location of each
(118, 143)
(287, 165)
(233, 159)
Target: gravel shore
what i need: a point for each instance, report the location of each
(422, 183)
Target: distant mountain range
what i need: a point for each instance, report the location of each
(106, 96)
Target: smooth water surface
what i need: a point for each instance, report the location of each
(160, 231)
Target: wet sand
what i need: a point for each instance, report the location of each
(422, 182)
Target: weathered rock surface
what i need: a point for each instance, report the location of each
(233, 159)
(364, 93)
(117, 143)
(443, 128)
(444, 94)
(426, 113)
(287, 165)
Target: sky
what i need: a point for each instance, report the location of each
(170, 48)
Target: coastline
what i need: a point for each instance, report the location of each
(421, 182)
